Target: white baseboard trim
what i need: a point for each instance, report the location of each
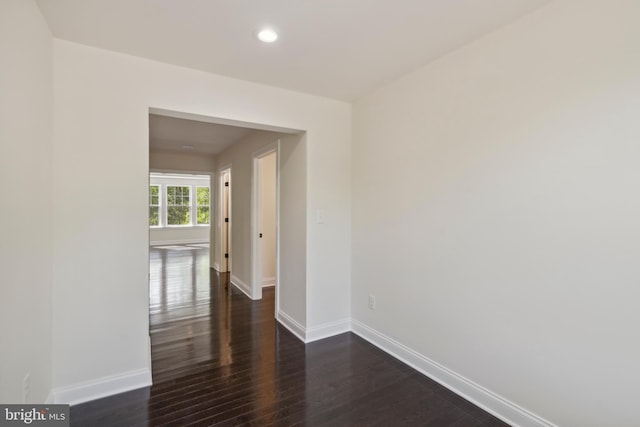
(216, 267)
(268, 282)
(307, 335)
(500, 407)
(102, 387)
(327, 330)
(291, 324)
(246, 289)
(177, 242)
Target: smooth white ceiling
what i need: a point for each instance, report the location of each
(170, 134)
(335, 48)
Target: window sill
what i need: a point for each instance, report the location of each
(178, 226)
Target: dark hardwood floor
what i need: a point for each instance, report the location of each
(221, 359)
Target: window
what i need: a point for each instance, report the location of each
(202, 205)
(179, 200)
(154, 205)
(178, 205)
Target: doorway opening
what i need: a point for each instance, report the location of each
(265, 219)
(223, 147)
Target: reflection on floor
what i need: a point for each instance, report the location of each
(220, 359)
(180, 283)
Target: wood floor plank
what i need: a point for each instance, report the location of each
(219, 358)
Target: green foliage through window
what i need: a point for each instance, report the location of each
(203, 205)
(178, 205)
(154, 205)
(154, 218)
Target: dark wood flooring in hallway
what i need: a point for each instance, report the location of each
(221, 359)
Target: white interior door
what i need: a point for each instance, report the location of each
(267, 219)
(225, 220)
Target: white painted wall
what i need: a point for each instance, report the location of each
(293, 212)
(185, 162)
(177, 235)
(496, 212)
(101, 106)
(25, 218)
(268, 218)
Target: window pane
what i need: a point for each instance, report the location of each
(178, 215)
(203, 196)
(177, 196)
(154, 201)
(154, 219)
(203, 215)
(154, 195)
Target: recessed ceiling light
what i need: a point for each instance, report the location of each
(187, 147)
(268, 35)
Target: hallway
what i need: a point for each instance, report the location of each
(220, 359)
